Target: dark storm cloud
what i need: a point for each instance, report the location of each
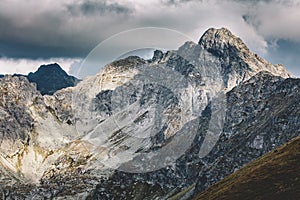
(92, 8)
(36, 30)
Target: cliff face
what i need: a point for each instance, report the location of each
(148, 128)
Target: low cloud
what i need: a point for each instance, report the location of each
(75, 67)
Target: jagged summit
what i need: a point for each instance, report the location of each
(157, 55)
(216, 40)
(125, 62)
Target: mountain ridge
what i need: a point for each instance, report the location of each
(84, 140)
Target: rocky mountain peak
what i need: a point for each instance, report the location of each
(157, 55)
(50, 78)
(218, 40)
(235, 56)
(49, 70)
(130, 61)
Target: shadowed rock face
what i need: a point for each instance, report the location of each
(51, 78)
(91, 137)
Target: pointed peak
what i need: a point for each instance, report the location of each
(217, 40)
(217, 34)
(157, 55)
(49, 69)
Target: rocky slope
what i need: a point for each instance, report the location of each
(273, 176)
(257, 122)
(29, 129)
(147, 128)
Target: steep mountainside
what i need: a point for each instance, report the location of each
(262, 114)
(273, 176)
(256, 122)
(50, 78)
(147, 129)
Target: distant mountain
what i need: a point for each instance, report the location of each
(51, 78)
(275, 175)
(146, 129)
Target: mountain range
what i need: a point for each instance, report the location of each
(165, 128)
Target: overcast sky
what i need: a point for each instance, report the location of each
(35, 32)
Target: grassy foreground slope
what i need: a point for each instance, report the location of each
(275, 175)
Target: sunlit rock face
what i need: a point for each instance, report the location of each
(147, 128)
